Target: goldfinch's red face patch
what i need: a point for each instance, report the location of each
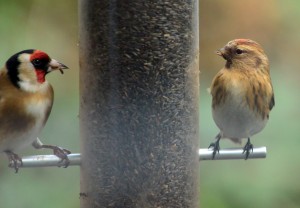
(40, 61)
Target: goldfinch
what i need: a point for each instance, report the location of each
(26, 100)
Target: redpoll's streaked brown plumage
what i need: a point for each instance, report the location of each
(242, 93)
(26, 100)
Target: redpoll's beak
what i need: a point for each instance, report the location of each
(222, 52)
(55, 65)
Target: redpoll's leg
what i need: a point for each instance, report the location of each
(58, 151)
(215, 146)
(14, 160)
(247, 148)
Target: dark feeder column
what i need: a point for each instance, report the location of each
(139, 88)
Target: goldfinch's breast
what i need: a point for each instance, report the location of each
(38, 109)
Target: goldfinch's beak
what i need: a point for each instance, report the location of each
(55, 65)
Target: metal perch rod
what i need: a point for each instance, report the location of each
(204, 154)
(48, 160)
(232, 153)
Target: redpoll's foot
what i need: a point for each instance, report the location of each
(15, 161)
(60, 153)
(247, 148)
(215, 146)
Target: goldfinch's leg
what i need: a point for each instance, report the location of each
(58, 151)
(15, 160)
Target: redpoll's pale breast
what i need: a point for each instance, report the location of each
(242, 93)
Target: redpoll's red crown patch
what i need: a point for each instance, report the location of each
(246, 43)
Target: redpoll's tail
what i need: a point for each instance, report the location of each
(236, 140)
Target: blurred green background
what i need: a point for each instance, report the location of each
(51, 26)
(272, 182)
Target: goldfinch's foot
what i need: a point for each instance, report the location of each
(15, 161)
(57, 151)
(63, 155)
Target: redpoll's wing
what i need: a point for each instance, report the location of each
(272, 102)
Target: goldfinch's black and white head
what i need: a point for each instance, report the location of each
(27, 69)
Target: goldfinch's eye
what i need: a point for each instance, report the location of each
(239, 51)
(36, 62)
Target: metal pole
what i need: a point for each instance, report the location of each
(139, 87)
(232, 153)
(35, 161)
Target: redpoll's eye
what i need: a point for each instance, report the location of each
(239, 51)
